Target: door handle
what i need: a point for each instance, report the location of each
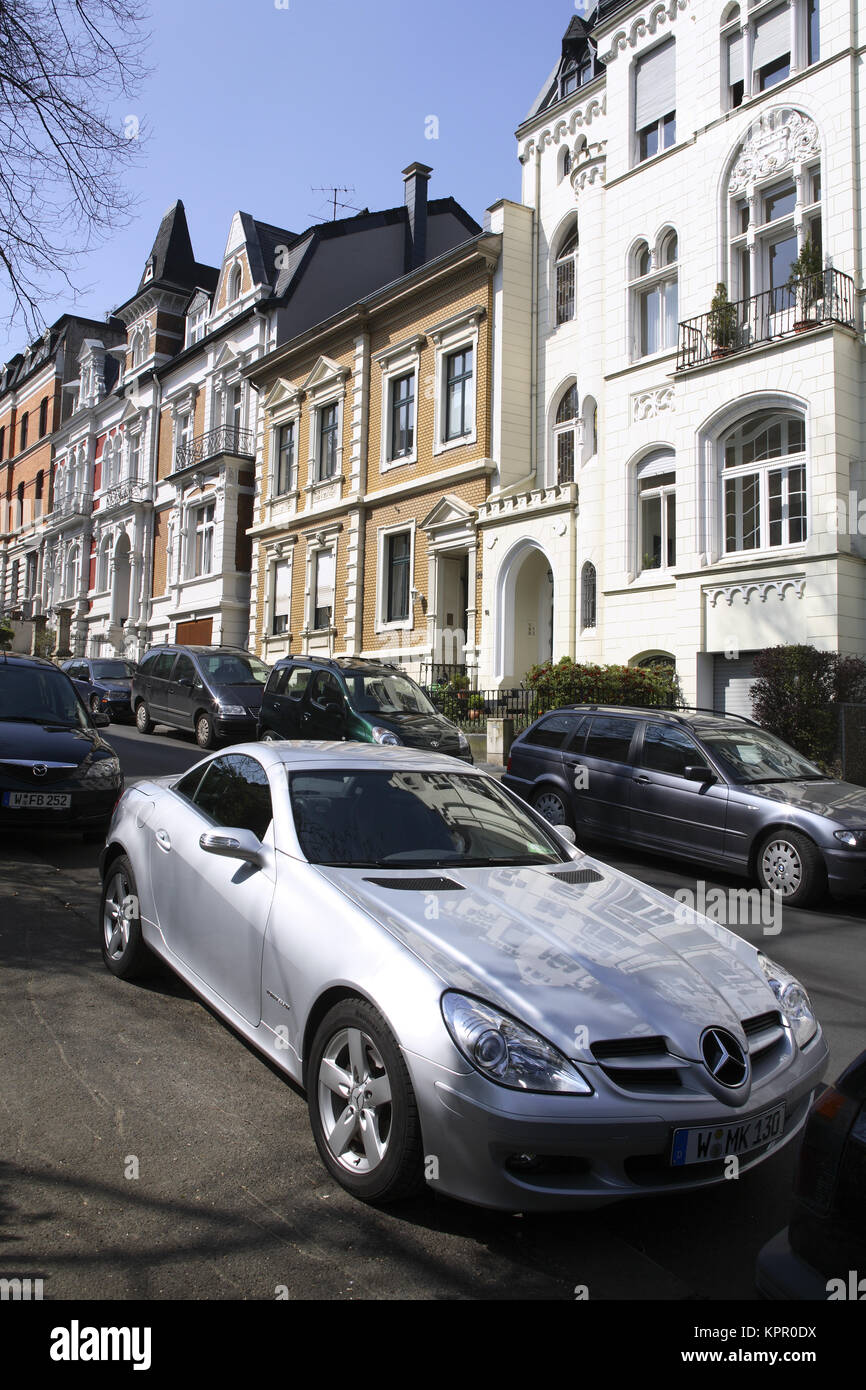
(643, 781)
(163, 839)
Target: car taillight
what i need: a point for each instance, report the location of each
(508, 765)
(827, 1131)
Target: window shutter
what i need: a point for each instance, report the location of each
(655, 85)
(282, 589)
(735, 59)
(772, 38)
(659, 461)
(325, 579)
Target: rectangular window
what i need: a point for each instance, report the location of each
(458, 394)
(204, 534)
(658, 519)
(565, 282)
(658, 318)
(402, 416)
(323, 589)
(771, 55)
(134, 456)
(285, 473)
(327, 442)
(742, 512)
(398, 555)
(282, 597)
(736, 71)
(655, 99)
(813, 51)
(565, 457)
(43, 419)
(23, 431)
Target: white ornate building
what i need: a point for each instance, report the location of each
(674, 482)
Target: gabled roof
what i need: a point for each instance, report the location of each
(263, 240)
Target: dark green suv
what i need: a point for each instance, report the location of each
(351, 698)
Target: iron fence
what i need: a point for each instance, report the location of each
(471, 709)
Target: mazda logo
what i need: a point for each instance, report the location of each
(39, 769)
(724, 1058)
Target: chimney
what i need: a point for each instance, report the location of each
(416, 178)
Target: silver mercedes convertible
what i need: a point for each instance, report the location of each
(467, 999)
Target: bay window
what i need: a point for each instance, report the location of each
(764, 482)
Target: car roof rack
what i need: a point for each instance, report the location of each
(676, 716)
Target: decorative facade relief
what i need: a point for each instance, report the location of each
(778, 139)
(756, 588)
(647, 23)
(646, 405)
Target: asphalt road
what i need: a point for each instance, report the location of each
(147, 1152)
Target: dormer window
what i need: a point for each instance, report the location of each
(196, 322)
(148, 270)
(236, 281)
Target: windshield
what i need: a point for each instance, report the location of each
(112, 670)
(37, 695)
(413, 820)
(224, 668)
(753, 755)
(386, 694)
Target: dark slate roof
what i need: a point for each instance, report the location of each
(262, 240)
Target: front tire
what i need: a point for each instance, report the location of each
(123, 948)
(792, 867)
(205, 733)
(143, 721)
(363, 1111)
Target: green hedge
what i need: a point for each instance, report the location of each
(573, 682)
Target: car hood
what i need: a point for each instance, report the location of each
(114, 682)
(48, 743)
(250, 696)
(610, 956)
(416, 730)
(840, 801)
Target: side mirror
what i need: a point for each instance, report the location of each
(186, 681)
(233, 844)
(699, 772)
(101, 720)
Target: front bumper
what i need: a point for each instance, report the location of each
(846, 871)
(586, 1151)
(88, 810)
(234, 729)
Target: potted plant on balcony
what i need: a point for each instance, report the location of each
(476, 705)
(721, 323)
(806, 282)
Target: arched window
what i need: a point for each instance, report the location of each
(588, 597)
(657, 511)
(764, 482)
(772, 215)
(140, 345)
(566, 276)
(654, 296)
(564, 430)
(565, 163)
(102, 564)
(589, 417)
(72, 572)
(236, 280)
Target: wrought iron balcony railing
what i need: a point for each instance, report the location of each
(76, 504)
(827, 297)
(225, 439)
(131, 490)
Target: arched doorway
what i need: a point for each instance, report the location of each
(525, 603)
(120, 582)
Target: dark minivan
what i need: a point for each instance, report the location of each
(355, 699)
(214, 691)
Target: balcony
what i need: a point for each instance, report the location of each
(827, 297)
(123, 494)
(75, 505)
(225, 439)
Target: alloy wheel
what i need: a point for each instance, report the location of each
(115, 925)
(354, 1095)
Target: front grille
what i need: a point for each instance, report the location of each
(24, 773)
(640, 1064)
(767, 1042)
(417, 885)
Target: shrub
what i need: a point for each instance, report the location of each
(795, 694)
(573, 682)
(6, 635)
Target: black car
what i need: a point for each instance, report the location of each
(56, 771)
(822, 1253)
(214, 691)
(355, 699)
(104, 684)
(715, 788)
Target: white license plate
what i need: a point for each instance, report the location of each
(721, 1141)
(37, 801)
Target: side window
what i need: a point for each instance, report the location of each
(298, 682)
(669, 750)
(609, 738)
(148, 666)
(189, 783)
(326, 689)
(235, 792)
(276, 682)
(184, 670)
(162, 666)
(555, 731)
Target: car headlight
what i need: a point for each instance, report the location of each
(105, 771)
(506, 1051)
(793, 1000)
(854, 839)
(232, 709)
(386, 736)
(463, 741)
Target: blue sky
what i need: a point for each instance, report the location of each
(251, 106)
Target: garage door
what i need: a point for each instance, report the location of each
(198, 634)
(732, 683)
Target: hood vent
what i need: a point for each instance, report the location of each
(417, 885)
(578, 876)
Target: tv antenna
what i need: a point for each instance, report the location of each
(333, 198)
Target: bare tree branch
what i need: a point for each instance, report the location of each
(64, 154)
